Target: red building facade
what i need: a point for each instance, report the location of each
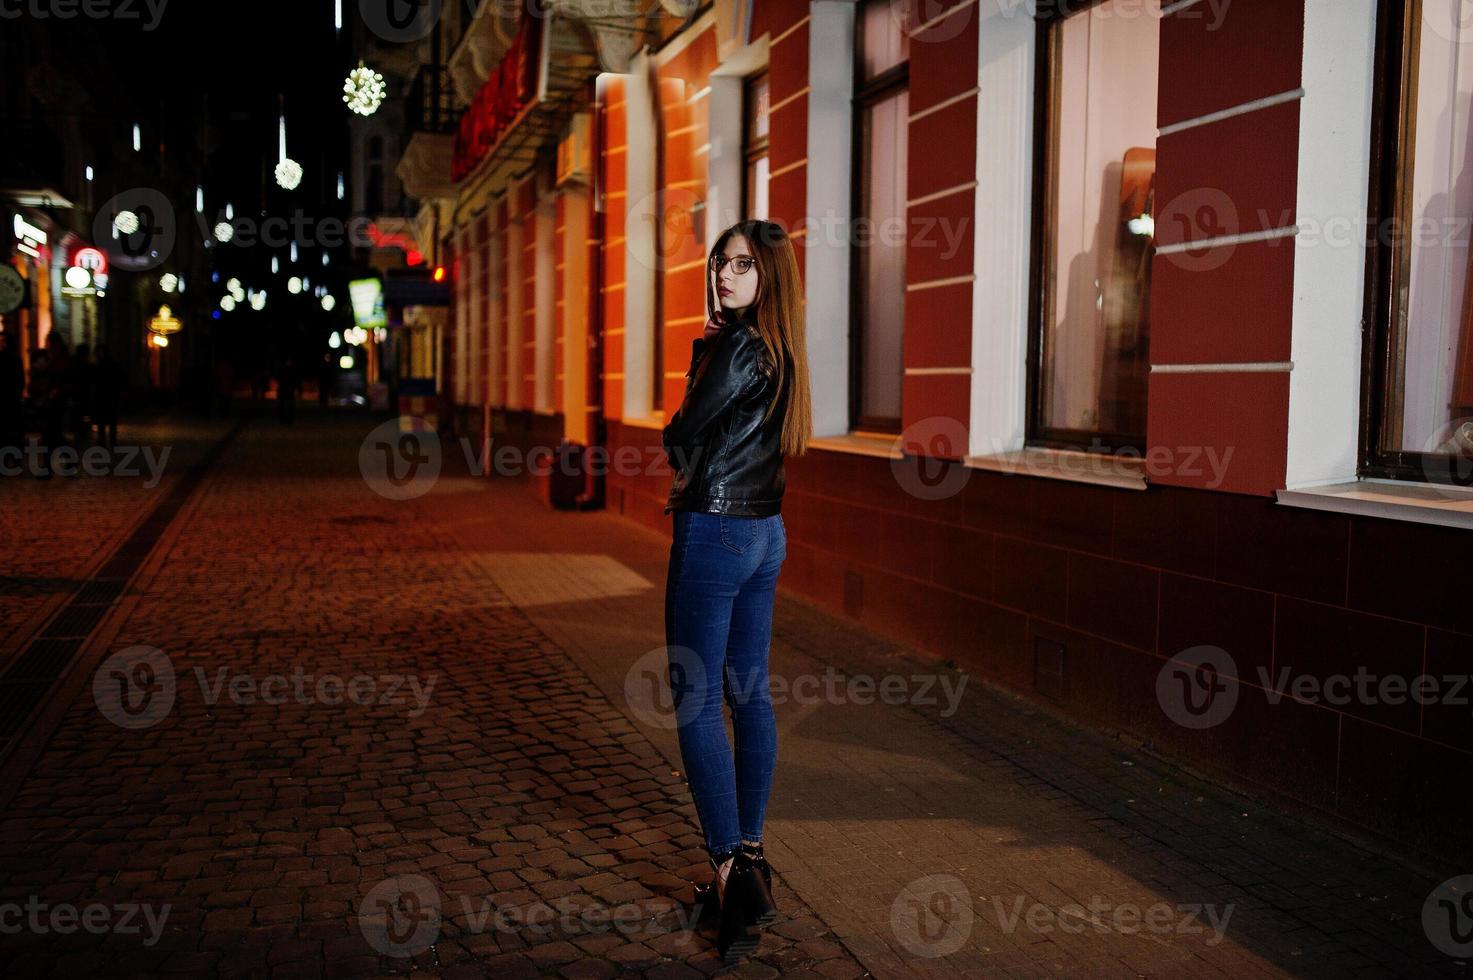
(1118, 405)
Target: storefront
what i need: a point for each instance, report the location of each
(1129, 417)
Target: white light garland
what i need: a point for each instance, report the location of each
(364, 90)
(328, 303)
(224, 232)
(126, 222)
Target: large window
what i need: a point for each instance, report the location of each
(1419, 395)
(1094, 198)
(754, 146)
(882, 109)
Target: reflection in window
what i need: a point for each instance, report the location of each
(754, 147)
(882, 100)
(1091, 351)
(1429, 360)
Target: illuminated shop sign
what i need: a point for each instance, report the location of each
(508, 90)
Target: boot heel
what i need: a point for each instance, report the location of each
(746, 909)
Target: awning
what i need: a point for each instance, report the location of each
(576, 40)
(415, 291)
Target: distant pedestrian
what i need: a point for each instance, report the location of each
(49, 369)
(78, 384)
(12, 392)
(224, 386)
(287, 380)
(109, 379)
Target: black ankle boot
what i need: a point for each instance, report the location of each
(754, 852)
(746, 909)
(708, 897)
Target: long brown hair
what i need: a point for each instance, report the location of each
(777, 313)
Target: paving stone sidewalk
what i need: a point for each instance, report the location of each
(506, 776)
(473, 807)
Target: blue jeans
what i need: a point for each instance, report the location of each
(718, 626)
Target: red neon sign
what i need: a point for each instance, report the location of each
(506, 92)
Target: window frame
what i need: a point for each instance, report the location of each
(866, 93)
(1046, 93)
(754, 149)
(1388, 259)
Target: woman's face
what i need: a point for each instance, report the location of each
(736, 279)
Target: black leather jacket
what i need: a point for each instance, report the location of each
(726, 459)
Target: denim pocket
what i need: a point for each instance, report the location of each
(738, 533)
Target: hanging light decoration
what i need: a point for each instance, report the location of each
(258, 300)
(288, 171)
(328, 303)
(364, 90)
(289, 174)
(275, 265)
(224, 232)
(294, 285)
(227, 303)
(126, 222)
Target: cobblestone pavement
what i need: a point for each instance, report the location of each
(489, 789)
(54, 530)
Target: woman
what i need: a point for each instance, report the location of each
(746, 406)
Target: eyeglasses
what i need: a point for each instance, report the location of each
(742, 263)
